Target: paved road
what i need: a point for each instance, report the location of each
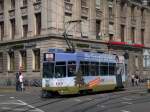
(124, 101)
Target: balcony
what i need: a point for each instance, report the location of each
(98, 14)
(37, 7)
(24, 10)
(1, 16)
(84, 11)
(12, 13)
(68, 7)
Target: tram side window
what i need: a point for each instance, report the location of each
(112, 69)
(94, 68)
(104, 69)
(71, 68)
(60, 69)
(48, 70)
(85, 67)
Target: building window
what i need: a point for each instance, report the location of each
(38, 23)
(142, 14)
(98, 23)
(1, 5)
(38, 0)
(83, 3)
(36, 59)
(67, 0)
(111, 37)
(13, 28)
(146, 61)
(122, 33)
(23, 60)
(133, 34)
(25, 2)
(110, 9)
(12, 4)
(98, 4)
(11, 61)
(1, 30)
(25, 30)
(142, 36)
(132, 12)
(1, 62)
(25, 25)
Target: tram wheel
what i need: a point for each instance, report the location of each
(46, 94)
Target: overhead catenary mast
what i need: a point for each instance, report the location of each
(70, 44)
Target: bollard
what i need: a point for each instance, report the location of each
(148, 85)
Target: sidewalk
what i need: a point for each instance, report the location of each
(142, 86)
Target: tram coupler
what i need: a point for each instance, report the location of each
(148, 86)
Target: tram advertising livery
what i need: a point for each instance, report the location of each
(75, 73)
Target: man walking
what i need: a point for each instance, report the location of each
(17, 81)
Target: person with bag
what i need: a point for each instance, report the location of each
(21, 80)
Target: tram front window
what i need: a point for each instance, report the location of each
(48, 70)
(112, 67)
(60, 69)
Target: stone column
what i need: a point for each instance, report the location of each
(117, 8)
(18, 19)
(44, 16)
(56, 16)
(31, 19)
(6, 20)
(92, 19)
(105, 20)
(147, 32)
(128, 24)
(76, 16)
(138, 25)
(60, 16)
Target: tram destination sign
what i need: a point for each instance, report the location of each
(49, 57)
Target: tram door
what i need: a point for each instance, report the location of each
(119, 77)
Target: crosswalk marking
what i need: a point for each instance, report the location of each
(125, 111)
(127, 103)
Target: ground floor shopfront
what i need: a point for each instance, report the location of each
(28, 55)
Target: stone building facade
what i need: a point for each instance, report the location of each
(29, 27)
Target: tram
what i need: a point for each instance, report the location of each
(79, 72)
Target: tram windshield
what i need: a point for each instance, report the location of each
(48, 70)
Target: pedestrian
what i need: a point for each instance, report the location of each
(17, 81)
(21, 80)
(136, 79)
(132, 79)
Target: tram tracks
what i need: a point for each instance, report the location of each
(103, 99)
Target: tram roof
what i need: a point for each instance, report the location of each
(85, 56)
